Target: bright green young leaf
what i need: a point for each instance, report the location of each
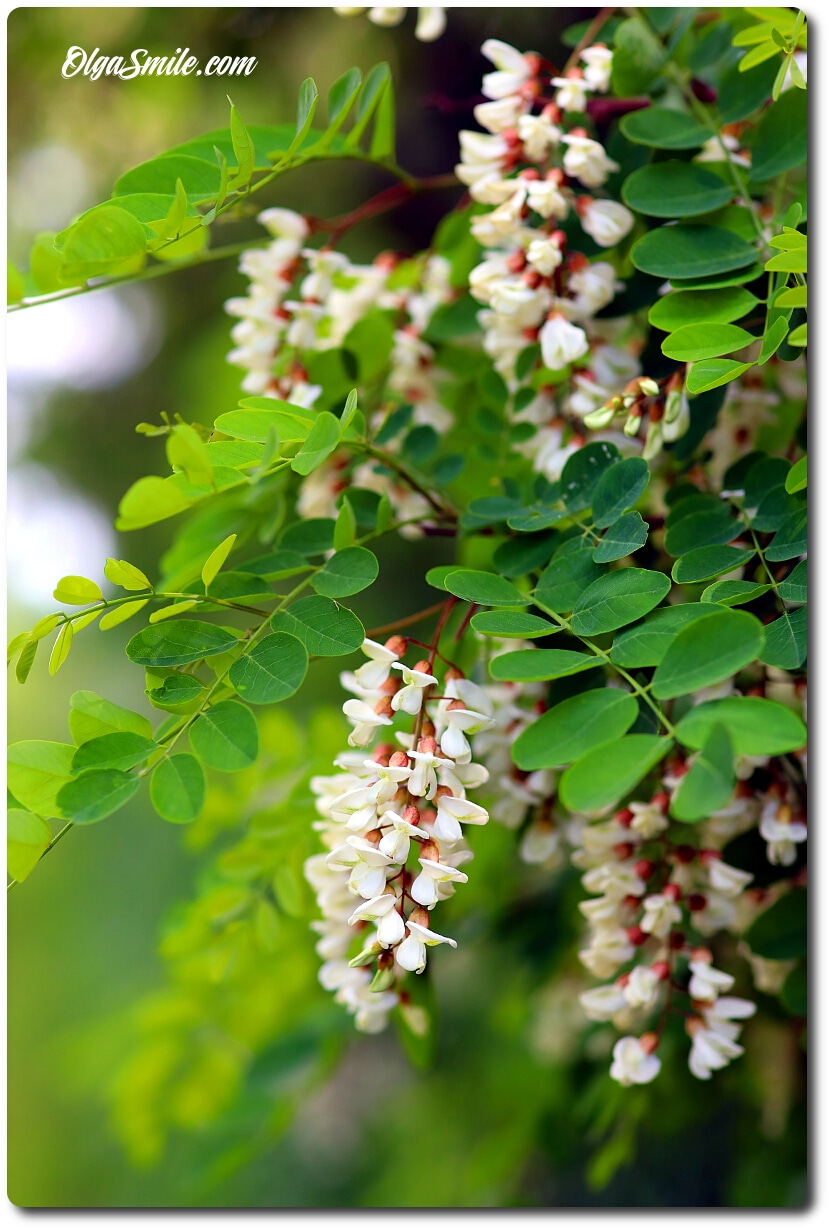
(573, 727)
(44, 626)
(734, 593)
(646, 644)
(243, 149)
(272, 671)
(704, 563)
(378, 81)
(757, 727)
(347, 572)
(618, 598)
(697, 307)
(568, 574)
(106, 240)
(60, 650)
(664, 129)
(26, 660)
(484, 588)
(187, 451)
(798, 337)
(177, 788)
(327, 629)
(226, 737)
(780, 934)
(535, 665)
(772, 339)
(37, 770)
(705, 341)
(512, 623)
(120, 614)
(792, 297)
(177, 693)
(340, 99)
(710, 782)
(77, 591)
(27, 840)
(787, 262)
(215, 561)
(174, 609)
(786, 641)
(179, 641)
(345, 526)
(621, 539)
(125, 575)
(91, 716)
(690, 251)
(95, 794)
(321, 442)
(618, 488)
(149, 500)
(675, 189)
(121, 750)
(607, 773)
(707, 652)
(712, 373)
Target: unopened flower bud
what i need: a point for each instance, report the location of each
(598, 419)
(636, 936)
(624, 817)
(396, 645)
(383, 708)
(427, 744)
(420, 917)
(632, 424)
(672, 892)
(644, 868)
(429, 850)
(412, 815)
(399, 760)
(649, 1042)
(674, 404)
(696, 902)
(661, 969)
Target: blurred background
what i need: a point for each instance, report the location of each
(513, 1112)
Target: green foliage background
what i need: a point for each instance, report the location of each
(512, 1112)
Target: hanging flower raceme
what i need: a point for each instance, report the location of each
(393, 825)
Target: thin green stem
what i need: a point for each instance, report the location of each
(51, 846)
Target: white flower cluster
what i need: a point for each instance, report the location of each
(305, 299)
(388, 808)
(430, 25)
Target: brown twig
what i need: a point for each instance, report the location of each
(587, 38)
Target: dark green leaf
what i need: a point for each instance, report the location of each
(177, 788)
(226, 737)
(675, 189)
(706, 526)
(794, 587)
(794, 995)
(312, 537)
(582, 472)
(327, 629)
(271, 671)
(620, 539)
(716, 281)
(703, 563)
(781, 137)
(484, 588)
(791, 539)
(512, 623)
(573, 727)
(786, 641)
(569, 573)
(95, 794)
(518, 556)
(607, 773)
(757, 727)
(664, 129)
(533, 665)
(691, 307)
(690, 251)
(178, 641)
(346, 572)
(708, 651)
(618, 489)
(618, 598)
(646, 644)
(780, 934)
(733, 593)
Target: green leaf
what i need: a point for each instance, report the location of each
(798, 337)
(535, 665)
(716, 281)
(535, 518)
(791, 539)
(734, 593)
(796, 479)
(780, 934)
(383, 134)
(690, 251)
(96, 794)
(568, 574)
(786, 641)
(757, 727)
(122, 749)
(794, 587)
(773, 337)
(214, 562)
(378, 81)
(106, 240)
(705, 341)
(37, 770)
(484, 588)
(675, 189)
(787, 262)
(175, 608)
(271, 671)
(179, 641)
(149, 500)
(277, 565)
(60, 650)
(347, 572)
(607, 773)
(710, 782)
(663, 129)
(226, 737)
(712, 373)
(764, 51)
(27, 840)
(792, 297)
(243, 149)
(512, 623)
(519, 556)
(340, 99)
(622, 538)
(794, 995)
(77, 591)
(691, 524)
(125, 575)
(638, 56)
(306, 106)
(694, 307)
(780, 141)
(121, 614)
(708, 651)
(26, 659)
(15, 285)
(187, 451)
(742, 93)
(344, 527)
(438, 575)
(618, 488)
(312, 537)
(177, 788)
(326, 629)
(177, 693)
(703, 563)
(618, 598)
(573, 727)
(646, 644)
(91, 716)
(321, 442)
(582, 472)
(261, 415)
